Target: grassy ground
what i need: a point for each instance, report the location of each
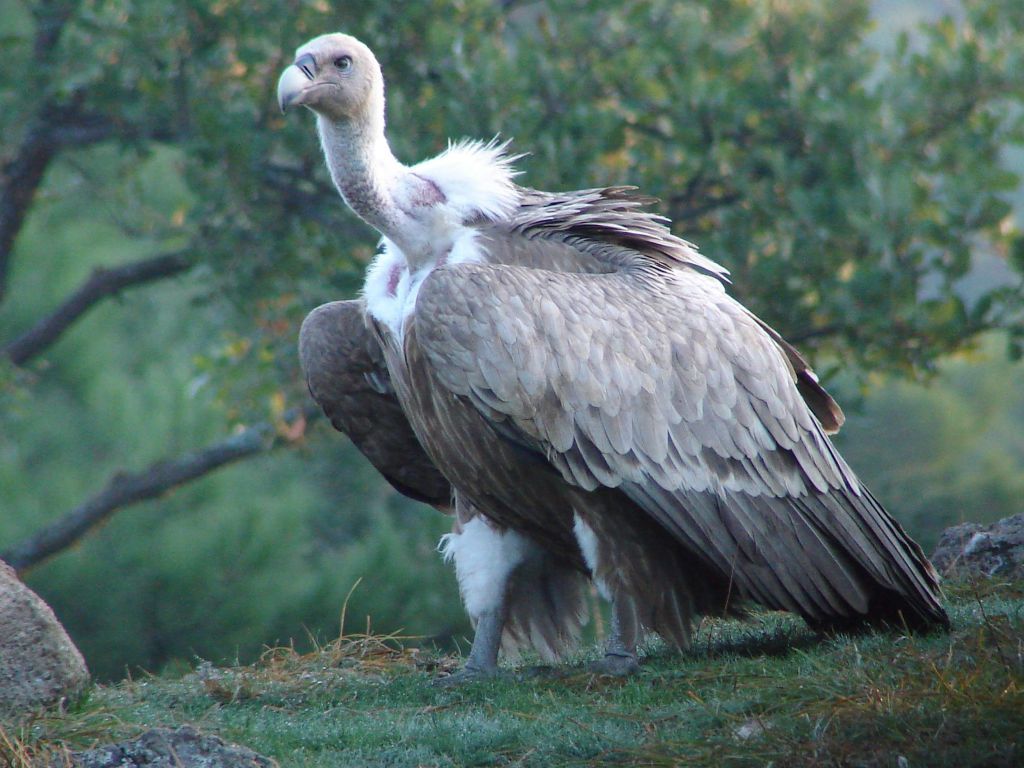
(764, 692)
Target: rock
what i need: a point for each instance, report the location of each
(751, 729)
(39, 665)
(971, 549)
(165, 748)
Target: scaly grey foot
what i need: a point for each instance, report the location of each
(620, 652)
(483, 657)
(468, 674)
(616, 664)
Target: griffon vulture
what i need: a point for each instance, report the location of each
(583, 380)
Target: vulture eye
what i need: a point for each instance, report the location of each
(343, 62)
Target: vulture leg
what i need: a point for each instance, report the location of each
(485, 559)
(516, 594)
(483, 656)
(620, 652)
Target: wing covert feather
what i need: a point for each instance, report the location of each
(671, 390)
(643, 384)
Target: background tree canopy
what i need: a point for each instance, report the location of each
(855, 189)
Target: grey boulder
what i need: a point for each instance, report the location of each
(39, 664)
(183, 747)
(971, 549)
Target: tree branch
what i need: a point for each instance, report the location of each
(101, 284)
(680, 212)
(127, 488)
(57, 127)
(19, 179)
(50, 16)
(814, 333)
(21, 175)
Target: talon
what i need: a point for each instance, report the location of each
(467, 675)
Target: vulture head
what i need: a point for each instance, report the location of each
(337, 77)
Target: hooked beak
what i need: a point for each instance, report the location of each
(295, 80)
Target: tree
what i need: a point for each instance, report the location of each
(846, 190)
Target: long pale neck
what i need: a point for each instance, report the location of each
(364, 170)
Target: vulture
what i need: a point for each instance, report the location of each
(576, 381)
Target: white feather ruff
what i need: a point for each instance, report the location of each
(390, 290)
(385, 297)
(475, 178)
(484, 559)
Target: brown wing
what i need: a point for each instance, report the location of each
(346, 375)
(654, 381)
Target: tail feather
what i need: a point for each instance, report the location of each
(835, 558)
(547, 608)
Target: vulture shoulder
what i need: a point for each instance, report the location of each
(346, 375)
(606, 229)
(655, 381)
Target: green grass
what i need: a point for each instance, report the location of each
(762, 692)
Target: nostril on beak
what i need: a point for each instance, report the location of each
(307, 64)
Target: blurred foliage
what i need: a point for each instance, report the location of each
(947, 453)
(845, 189)
(259, 553)
(848, 190)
